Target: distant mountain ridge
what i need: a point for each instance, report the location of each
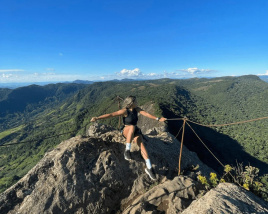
(264, 78)
(18, 99)
(25, 84)
(17, 85)
(83, 82)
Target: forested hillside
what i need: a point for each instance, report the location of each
(227, 100)
(22, 104)
(206, 101)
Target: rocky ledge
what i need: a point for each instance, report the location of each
(90, 175)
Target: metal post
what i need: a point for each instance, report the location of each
(119, 122)
(182, 137)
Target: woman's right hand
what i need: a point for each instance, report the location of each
(93, 119)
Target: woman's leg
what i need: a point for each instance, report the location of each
(144, 153)
(128, 132)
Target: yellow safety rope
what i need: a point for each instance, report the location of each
(228, 124)
(212, 153)
(213, 125)
(205, 145)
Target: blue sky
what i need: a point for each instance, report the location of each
(65, 40)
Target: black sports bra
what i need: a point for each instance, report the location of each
(132, 117)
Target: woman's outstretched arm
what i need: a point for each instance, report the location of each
(105, 116)
(146, 114)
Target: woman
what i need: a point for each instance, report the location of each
(131, 132)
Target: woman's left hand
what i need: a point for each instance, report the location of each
(162, 119)
(94, 119)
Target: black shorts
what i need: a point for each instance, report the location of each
(136, 132)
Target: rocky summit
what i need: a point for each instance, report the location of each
(88, 174)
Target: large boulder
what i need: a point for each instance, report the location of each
(171, 196)
(228, 198)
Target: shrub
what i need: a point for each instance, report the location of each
(245, 177)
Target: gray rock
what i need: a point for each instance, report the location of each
(96, 129)
(228, 198)
(145, 123)
(172, 196)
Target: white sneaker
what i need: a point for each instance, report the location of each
(151, 173)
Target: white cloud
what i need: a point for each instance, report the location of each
(10, 70)
(6, 76)
(46, 74)
(193, 71)
(171, 75)
(264, 74)
(50, 69)
(130, 73)
(37, 77)
(51, 76)
(136, 73)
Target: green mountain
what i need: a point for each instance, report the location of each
(36, 122)
(24, 103)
